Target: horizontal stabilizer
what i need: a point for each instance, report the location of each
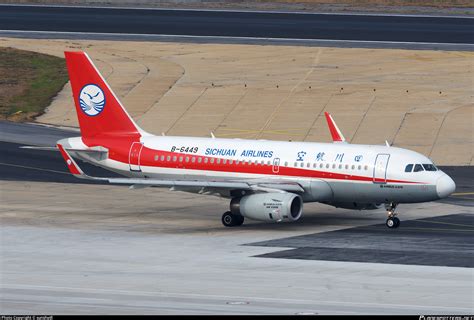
(40, 148)
(93, 150)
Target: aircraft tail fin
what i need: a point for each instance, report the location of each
(98, 109)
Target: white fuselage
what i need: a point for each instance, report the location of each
(347, 175)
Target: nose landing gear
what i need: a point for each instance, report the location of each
(392, 221)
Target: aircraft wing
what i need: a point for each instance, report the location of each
(223, 188)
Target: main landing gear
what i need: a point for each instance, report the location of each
(232, 220)
(392, 221)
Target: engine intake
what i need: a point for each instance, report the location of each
(269, 206)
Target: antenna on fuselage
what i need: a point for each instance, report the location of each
(212, 135)
(387, 144)
(163, 134)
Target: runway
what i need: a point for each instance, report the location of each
(232, 24)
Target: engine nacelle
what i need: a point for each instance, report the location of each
(355, 205)
(274, 207)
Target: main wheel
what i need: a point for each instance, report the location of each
(391, 223)
(397, 222)
(232, 220)
(239, 220)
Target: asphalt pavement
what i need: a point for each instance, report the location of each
(397, 28)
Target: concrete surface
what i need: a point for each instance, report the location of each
(100, 249)
(420, 100)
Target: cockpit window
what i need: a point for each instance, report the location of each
(418, 168)
(409, 167)
(430, 167)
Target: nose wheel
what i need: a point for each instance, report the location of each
(392, 221)
(232, 220)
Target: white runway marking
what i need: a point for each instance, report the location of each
(295, 40)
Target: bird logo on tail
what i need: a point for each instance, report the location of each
(92, 99)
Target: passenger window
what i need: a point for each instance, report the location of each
(206, 160)
(156, 158)
(366, 167)
(334, 166)
(199, 159)
(218, 161)
(314, 165)
(231, 161)
(321, 165)
(174, 158)
(359, 167)
(340, 166)
(302, 164)
(430, 167)
(327, 166)
(353, 167)
(224, 161)
(168, 158)
(418, 168)
(409, 167)
(180, 159)
(187, 159)
(286, 163)
(162, 158)
(193, 159)
(212, 160)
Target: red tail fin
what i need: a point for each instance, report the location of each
(99, 111)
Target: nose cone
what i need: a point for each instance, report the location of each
(445, 186)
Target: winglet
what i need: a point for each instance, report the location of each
(71, 164)
(335, 132)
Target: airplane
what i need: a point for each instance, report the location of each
(264, 180)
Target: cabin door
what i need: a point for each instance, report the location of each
(380, 168)
(134, 156)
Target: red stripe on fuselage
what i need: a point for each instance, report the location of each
(148, 156)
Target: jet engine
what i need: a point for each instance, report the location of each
(268, 206)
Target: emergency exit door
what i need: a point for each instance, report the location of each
(276, 165)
